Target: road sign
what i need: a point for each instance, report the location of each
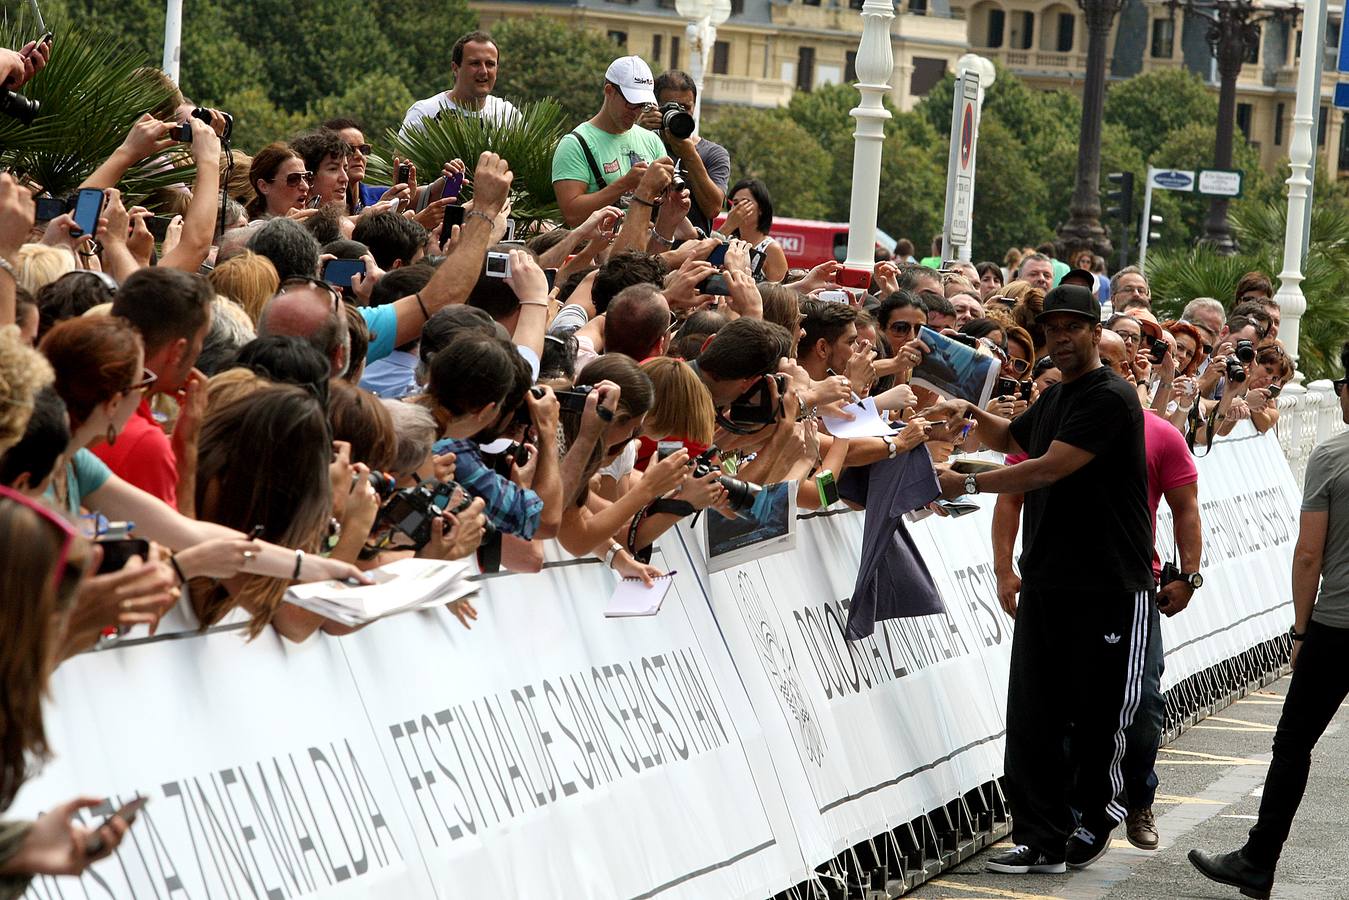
(1342, 96)
(956, 232)
(1170, 179)
(1220, 182)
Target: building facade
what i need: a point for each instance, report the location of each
(770, 48)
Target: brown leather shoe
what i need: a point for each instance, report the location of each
(1142, 829)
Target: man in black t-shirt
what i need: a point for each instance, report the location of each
(1082, 623)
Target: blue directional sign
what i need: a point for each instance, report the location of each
(1342, 95)
(1342, 64)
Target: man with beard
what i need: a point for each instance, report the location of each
(1082, 622)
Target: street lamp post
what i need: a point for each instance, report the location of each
(1233, 33)
(1292, 303)
(1083, 229)
(173, 38)
(875, 65)
(704, 16)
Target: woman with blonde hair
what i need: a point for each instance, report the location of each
(682, 410)
(249, 279)
(39, 264)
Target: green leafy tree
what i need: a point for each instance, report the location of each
(544, 58)
(1136, 106)
(767, 145)
(422, 33)
(378, 100)
(1009, 193)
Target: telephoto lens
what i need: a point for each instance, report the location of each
(675, 120)
(1236, 373)
(17, 106)
(1245, 351)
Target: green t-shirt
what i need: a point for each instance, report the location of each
(611, 152)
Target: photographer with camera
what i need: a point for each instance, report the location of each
(476, 388)
(1234, 348)
(704, 167)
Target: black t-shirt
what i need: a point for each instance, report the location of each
(1091, 530)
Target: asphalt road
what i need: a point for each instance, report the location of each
(1211, 781)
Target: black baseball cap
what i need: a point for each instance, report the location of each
(1079, 276)
(1071, 298)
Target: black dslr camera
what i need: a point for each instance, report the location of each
(740, 494)
(1236, 372)
(410, 512)
(183, 133)
(755, 409)
(1244, 351)
(675, 121)
(17, 106)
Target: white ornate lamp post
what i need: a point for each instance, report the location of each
(173, 37)
(704, 16)
(875, 64)
(1292, 304)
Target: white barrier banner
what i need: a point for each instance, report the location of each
(721, 748)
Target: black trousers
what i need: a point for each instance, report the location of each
(1077, 667)
(1320, 684)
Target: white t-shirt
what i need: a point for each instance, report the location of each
(493, 108)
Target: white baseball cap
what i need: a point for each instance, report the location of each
(633, 77)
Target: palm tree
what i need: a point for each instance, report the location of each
(526, 142)
(91, 93)
(1178, 276)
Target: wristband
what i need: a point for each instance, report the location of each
(177, 569)
(1292, 633)
(299, 561)
(421, 305)
(8, 268)
(646, 203)
(481, 215)
(655, 235)
(615, 548)
(543, 303)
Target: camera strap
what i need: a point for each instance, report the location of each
(595, 170)
(1194, 421)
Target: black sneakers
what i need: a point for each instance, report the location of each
(1084, 848)
(1023, 860)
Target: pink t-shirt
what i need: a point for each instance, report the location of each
(1170, 466)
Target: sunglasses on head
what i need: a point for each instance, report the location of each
(66, 530)
(310, 281)
(147, 381)
(294, 178)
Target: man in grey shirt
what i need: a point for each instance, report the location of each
(705, 166)
(1320, 682)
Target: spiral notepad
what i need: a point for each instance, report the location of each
(632, 598)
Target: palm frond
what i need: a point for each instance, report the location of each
(91, 95)
(526, 142)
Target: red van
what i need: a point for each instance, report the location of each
(808, 243)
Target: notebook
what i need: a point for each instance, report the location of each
(632, 598)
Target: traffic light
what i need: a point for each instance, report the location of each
(1122, 196)
(1154, 225)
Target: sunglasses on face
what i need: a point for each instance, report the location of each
(1339, 384)
(1019, 366)
(294, 178)
(898, 328)
(362, 149)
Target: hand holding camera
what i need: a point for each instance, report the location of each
(543, 409)
(457, 535)
(681, 285)
(204, 139)
(664, 475)
(655, 179)
(526, 278)
(146, 138)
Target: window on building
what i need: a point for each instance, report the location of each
(1344, 149)
(657, 46)
(674, 53)
(811, 2)
(737, 7)
(850, 66)
(1023, 30)
(619, 37)
(721, 58)
(1253, 52)
(918, 7)
(1321, 126)
(997, 24)
(1278, 124)
(1163, 38)
(926, 74)
(855, 4)
(1067, 23)
(805, 69)
(1244, 119)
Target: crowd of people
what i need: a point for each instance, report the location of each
(460, 393)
